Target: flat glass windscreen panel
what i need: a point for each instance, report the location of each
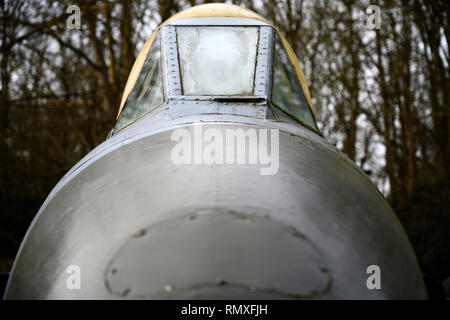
(147, 93)
(217, 60)
(286, 90)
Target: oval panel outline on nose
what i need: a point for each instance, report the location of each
(218, 248)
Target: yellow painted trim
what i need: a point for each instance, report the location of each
(213, 10)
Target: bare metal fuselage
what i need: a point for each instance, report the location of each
(140, 226)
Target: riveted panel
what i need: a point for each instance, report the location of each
(264, 62)
(245, 256)
(170, 59)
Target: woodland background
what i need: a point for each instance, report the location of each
(382, 96)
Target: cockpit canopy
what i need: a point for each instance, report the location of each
(228, 58)
(217, 60)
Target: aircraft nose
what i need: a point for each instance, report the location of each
(218, 254)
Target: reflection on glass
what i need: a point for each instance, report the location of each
(286, 91)
(147, 93)
(217, 60)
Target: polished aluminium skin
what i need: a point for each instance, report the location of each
(141, 227)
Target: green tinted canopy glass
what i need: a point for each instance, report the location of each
(147, 94)
(286, 91)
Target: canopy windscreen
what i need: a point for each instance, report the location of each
(217, 60)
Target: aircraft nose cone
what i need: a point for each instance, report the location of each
(218, 254)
